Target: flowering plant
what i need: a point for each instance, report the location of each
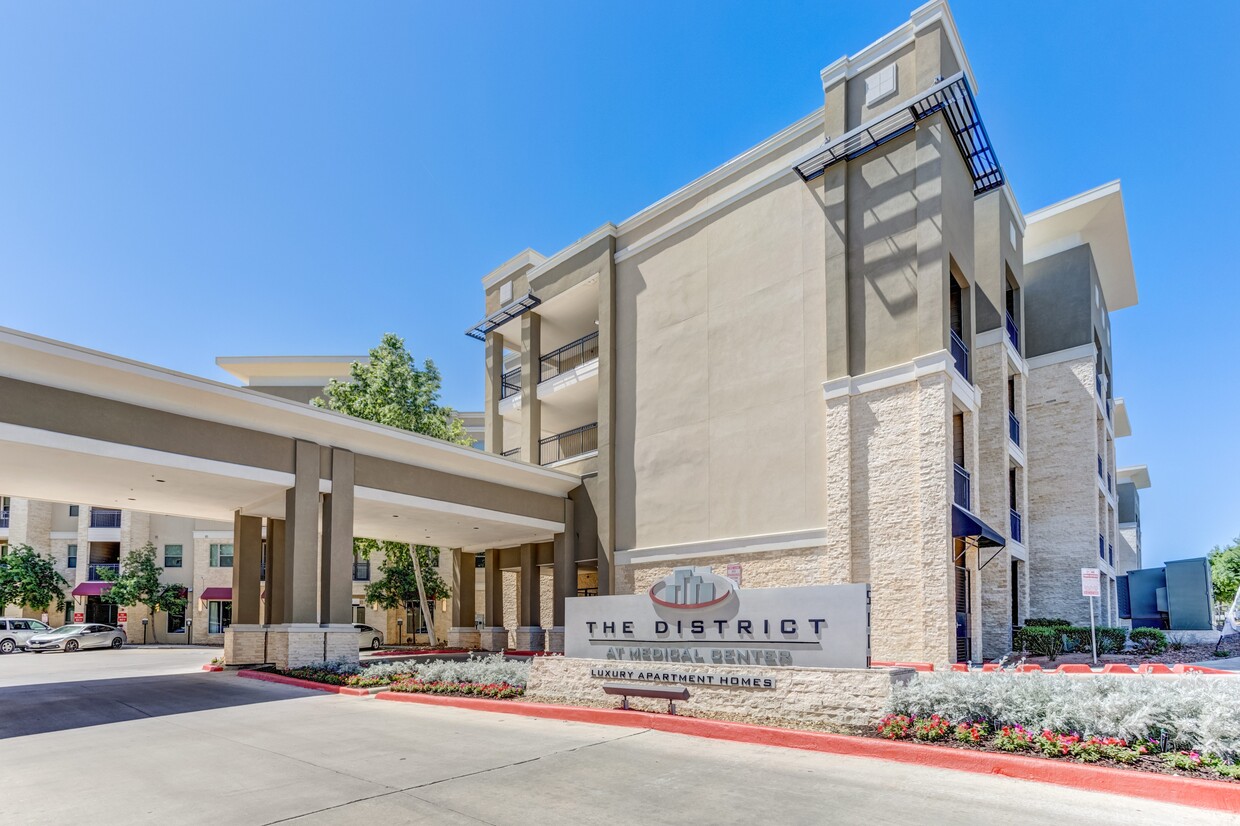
(895, 726)
(933, 727)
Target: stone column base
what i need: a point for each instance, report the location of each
(463, 638)
(299, 644)
(555, 639)
(530, 638)
(493, 639)
(245, 645)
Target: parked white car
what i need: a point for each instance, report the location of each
(15, 632)
(368, 637)
(79, 635)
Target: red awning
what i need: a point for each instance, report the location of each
(92, 589)
(209, 594)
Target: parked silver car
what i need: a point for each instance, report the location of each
(15, 631)
(78, 635)
(368, 636)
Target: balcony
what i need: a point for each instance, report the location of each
(96, 570)
(1013, 428)
(1102, 547)
(1111, 555)
(961, 489)
(509, 454)
(960, 355)
(510, 383)
(101, 518)
(1101, 474)
(1013, 332)
(4, 518)
(575, 354)
(1015, 524)
(568, 444)
(361, 571)
(1110, 483)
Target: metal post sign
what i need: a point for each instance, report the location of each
(1091, 584)
(696, 616)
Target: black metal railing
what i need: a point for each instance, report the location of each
(570, 443)
(1111, 554)
(1102, 547)
(960, 355)
(510, 453)
(587, 592)
(1013, 428)
(1014, 519)
(1110, 484)
(101, 518)
(510, 383)
(361, 571)
(961, 491)
(1100, 473)
(1013, 332)
(569, 356)
(1098, 384)
(95, 572)
(4, 518)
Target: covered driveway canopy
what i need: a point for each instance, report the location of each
(86, 427)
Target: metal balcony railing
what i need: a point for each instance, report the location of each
(510, 383)
(94, 572)
(1013, 428)
(361, 571)
(1014, 519)
(961, 489)
(1102, 547)
(1100, 473)
(570, 443)
(1110, 484)
(1098, 384)
(4, 518)
(1111, 555)
(1013, 332)
(571, 355)
(587, 592)
(510, 453)
(101, 518)
(960, 355)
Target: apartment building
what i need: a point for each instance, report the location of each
(841, 356)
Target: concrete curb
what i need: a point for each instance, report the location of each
(1188, 791)
(209, 667)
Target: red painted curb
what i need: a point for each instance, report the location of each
(1186, 791)
(1074, 668)
(268, 677)
(1117, 668)
(209, 667)
(1183, 668)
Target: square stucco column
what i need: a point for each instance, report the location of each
(301, 539)
(336, 576)
(565, 579)
(494, 636)
(493, 422)
(529, 634)
(247, 562)
(531, 409)
(462, 634)
(274, 583)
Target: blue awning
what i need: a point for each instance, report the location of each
(965, 524)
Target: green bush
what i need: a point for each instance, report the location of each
(1110, 640)
(1043, 622)
(1041, 641)
(1149, 640)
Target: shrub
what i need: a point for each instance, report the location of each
(1079, 639)
(933, 727)
(492, 669)
(1112, 640)
(1222, 653)
(895, 727)
(1042, 622)
(1175, 642)
(1041, 641)
(495, 691)
(1148, 640)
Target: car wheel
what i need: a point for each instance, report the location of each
(116, 643)
(71, 646)
(7, 646)
(375, 643)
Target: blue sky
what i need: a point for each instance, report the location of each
(181, 181)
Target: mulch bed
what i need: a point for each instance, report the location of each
(1194, 653)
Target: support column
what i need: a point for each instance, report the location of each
(463, 633)
(336, 562)
(529, 636)
(493, 422)
(275, 571)
(494, 634)
(531, 409)
(245, 639)
(565, 577)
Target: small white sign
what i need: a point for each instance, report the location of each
(734, 573)
(1091, 583)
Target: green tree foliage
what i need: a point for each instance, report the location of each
(392, 390)
(139, 584)
(1225, 571)
(31, 580)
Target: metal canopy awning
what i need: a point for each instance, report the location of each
(954, 99)
(505, 314)
(92, 589)
(210, 594)
(967, 526)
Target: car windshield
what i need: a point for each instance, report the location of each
(67, 629)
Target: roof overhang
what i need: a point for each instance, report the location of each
(954, 99)
(1096, 218)
(1122, 426)
(294, 371)
(1139, 475)
(522, 260)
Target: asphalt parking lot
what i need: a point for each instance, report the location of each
(143, 735)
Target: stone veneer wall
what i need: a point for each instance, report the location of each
(846, 700)
(994, 586)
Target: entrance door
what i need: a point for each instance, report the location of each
(964, 617)
(99, 611)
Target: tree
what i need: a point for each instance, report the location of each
(392, 390)
(31, 580)
(139, 584)
(1225, 571)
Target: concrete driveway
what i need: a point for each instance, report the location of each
(138, 735)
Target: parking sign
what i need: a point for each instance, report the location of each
(1091, 584)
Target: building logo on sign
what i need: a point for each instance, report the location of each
(691, 588)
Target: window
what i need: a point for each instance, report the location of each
(176, 622)
(4, 549)
(219, 616)
(221, 556)
(505, 293)
(19, 625)
(73, 510)
(172, 556)
(71, 562)
(1012, 233)
(881, 84)
(359, 616)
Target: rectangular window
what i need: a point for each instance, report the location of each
(221, 556)
(219, 616)
(176, 623)
(71, 562)
(172, 556)
(73, 510)
(880, 84)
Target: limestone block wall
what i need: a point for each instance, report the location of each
(30, 523)
(770, 569)
(990, 499)
(206, 576)
(830, 699)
